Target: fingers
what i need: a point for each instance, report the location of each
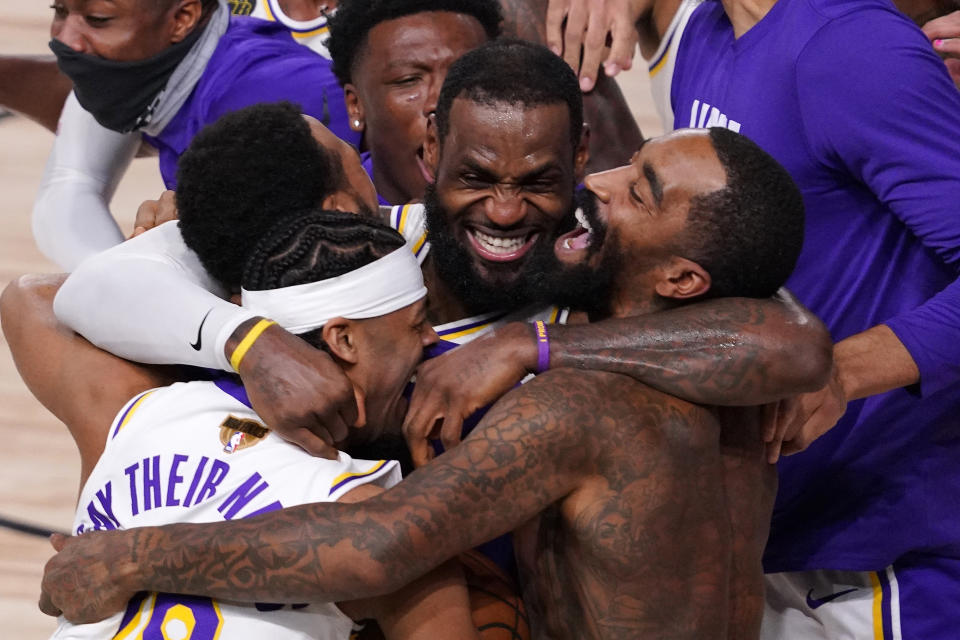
(146, 215)
(318, 444)
(418, 424)
(46, 605)
(573, 34)
(556, 12)
(947, 26)
(58, 540)
(593, 45)
(622, 48)
(451, 429)
(948, 46)
(166, 207)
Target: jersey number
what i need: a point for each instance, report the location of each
(163, 616)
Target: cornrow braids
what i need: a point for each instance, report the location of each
(354, 19)
(316, 245)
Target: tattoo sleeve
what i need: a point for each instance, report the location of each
(527, 453)
(730, 351)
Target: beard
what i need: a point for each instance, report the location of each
(583, 286)
(540, 279)
(507, 286)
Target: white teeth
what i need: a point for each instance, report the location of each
(498, 245)
(582, 219)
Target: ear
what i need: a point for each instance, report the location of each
(186, 16)
(340, 335)
(354, 107)
(682, 279)
(582, 154)
(340, 201)
(431, 148)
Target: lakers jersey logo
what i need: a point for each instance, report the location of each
(240, 433)
(242, 7)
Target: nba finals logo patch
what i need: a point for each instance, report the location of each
(242, 7)
(240, 433)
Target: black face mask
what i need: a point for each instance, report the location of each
(121, 95)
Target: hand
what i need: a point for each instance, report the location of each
(800, 420)
(83, 580)
(572, 24)
(299, 391)
(451, 387)
(153, 213)
(944, 33)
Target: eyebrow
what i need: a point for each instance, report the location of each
(656, 187)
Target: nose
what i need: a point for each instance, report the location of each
(69, 31)
(433, 93)
(506, 206)
(599, 184)
(430, 336)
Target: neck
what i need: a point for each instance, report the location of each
(387, 188)
(744, 14)
(652, 26)
(442, 305)
(306, 9)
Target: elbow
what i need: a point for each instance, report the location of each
(26, 302)
(809, 356)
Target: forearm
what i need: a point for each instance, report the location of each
(149, 300)
(34, 86)
(733, 351)
(71, 217)
(873, 362)
(311, 553)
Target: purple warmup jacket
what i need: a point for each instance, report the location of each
(849, 96)
(255, 61)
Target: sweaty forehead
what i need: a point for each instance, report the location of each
(508, 133)
(426, 37)
(682, 160)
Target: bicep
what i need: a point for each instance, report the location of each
(527, 453)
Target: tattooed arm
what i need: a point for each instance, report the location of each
(729, 351)
(614, 132)
(529, 451)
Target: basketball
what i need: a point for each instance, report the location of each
(495, 604)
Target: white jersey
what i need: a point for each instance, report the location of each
(662, 62)
(410, 221)
(196, 452)
(310, 33)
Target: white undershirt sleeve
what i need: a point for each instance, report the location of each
(71, 217)
(150, 300)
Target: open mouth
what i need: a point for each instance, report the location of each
(581, 239)
(422, 166)
(501, 248)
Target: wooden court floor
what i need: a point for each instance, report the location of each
(39, 465)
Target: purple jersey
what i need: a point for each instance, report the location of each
(849, 96)
(255, 61)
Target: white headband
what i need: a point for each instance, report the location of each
(376, 289)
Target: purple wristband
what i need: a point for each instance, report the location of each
(543, 346)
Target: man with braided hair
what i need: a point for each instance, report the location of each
(196, 451)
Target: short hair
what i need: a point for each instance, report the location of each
(747, 235)
(512, 72)
(161, 6)
(242, 173)
(354, 19)
(315, 245)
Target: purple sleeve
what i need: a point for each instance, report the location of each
(301, 79)
(878, 105)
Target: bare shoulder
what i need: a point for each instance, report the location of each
(590, 408)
